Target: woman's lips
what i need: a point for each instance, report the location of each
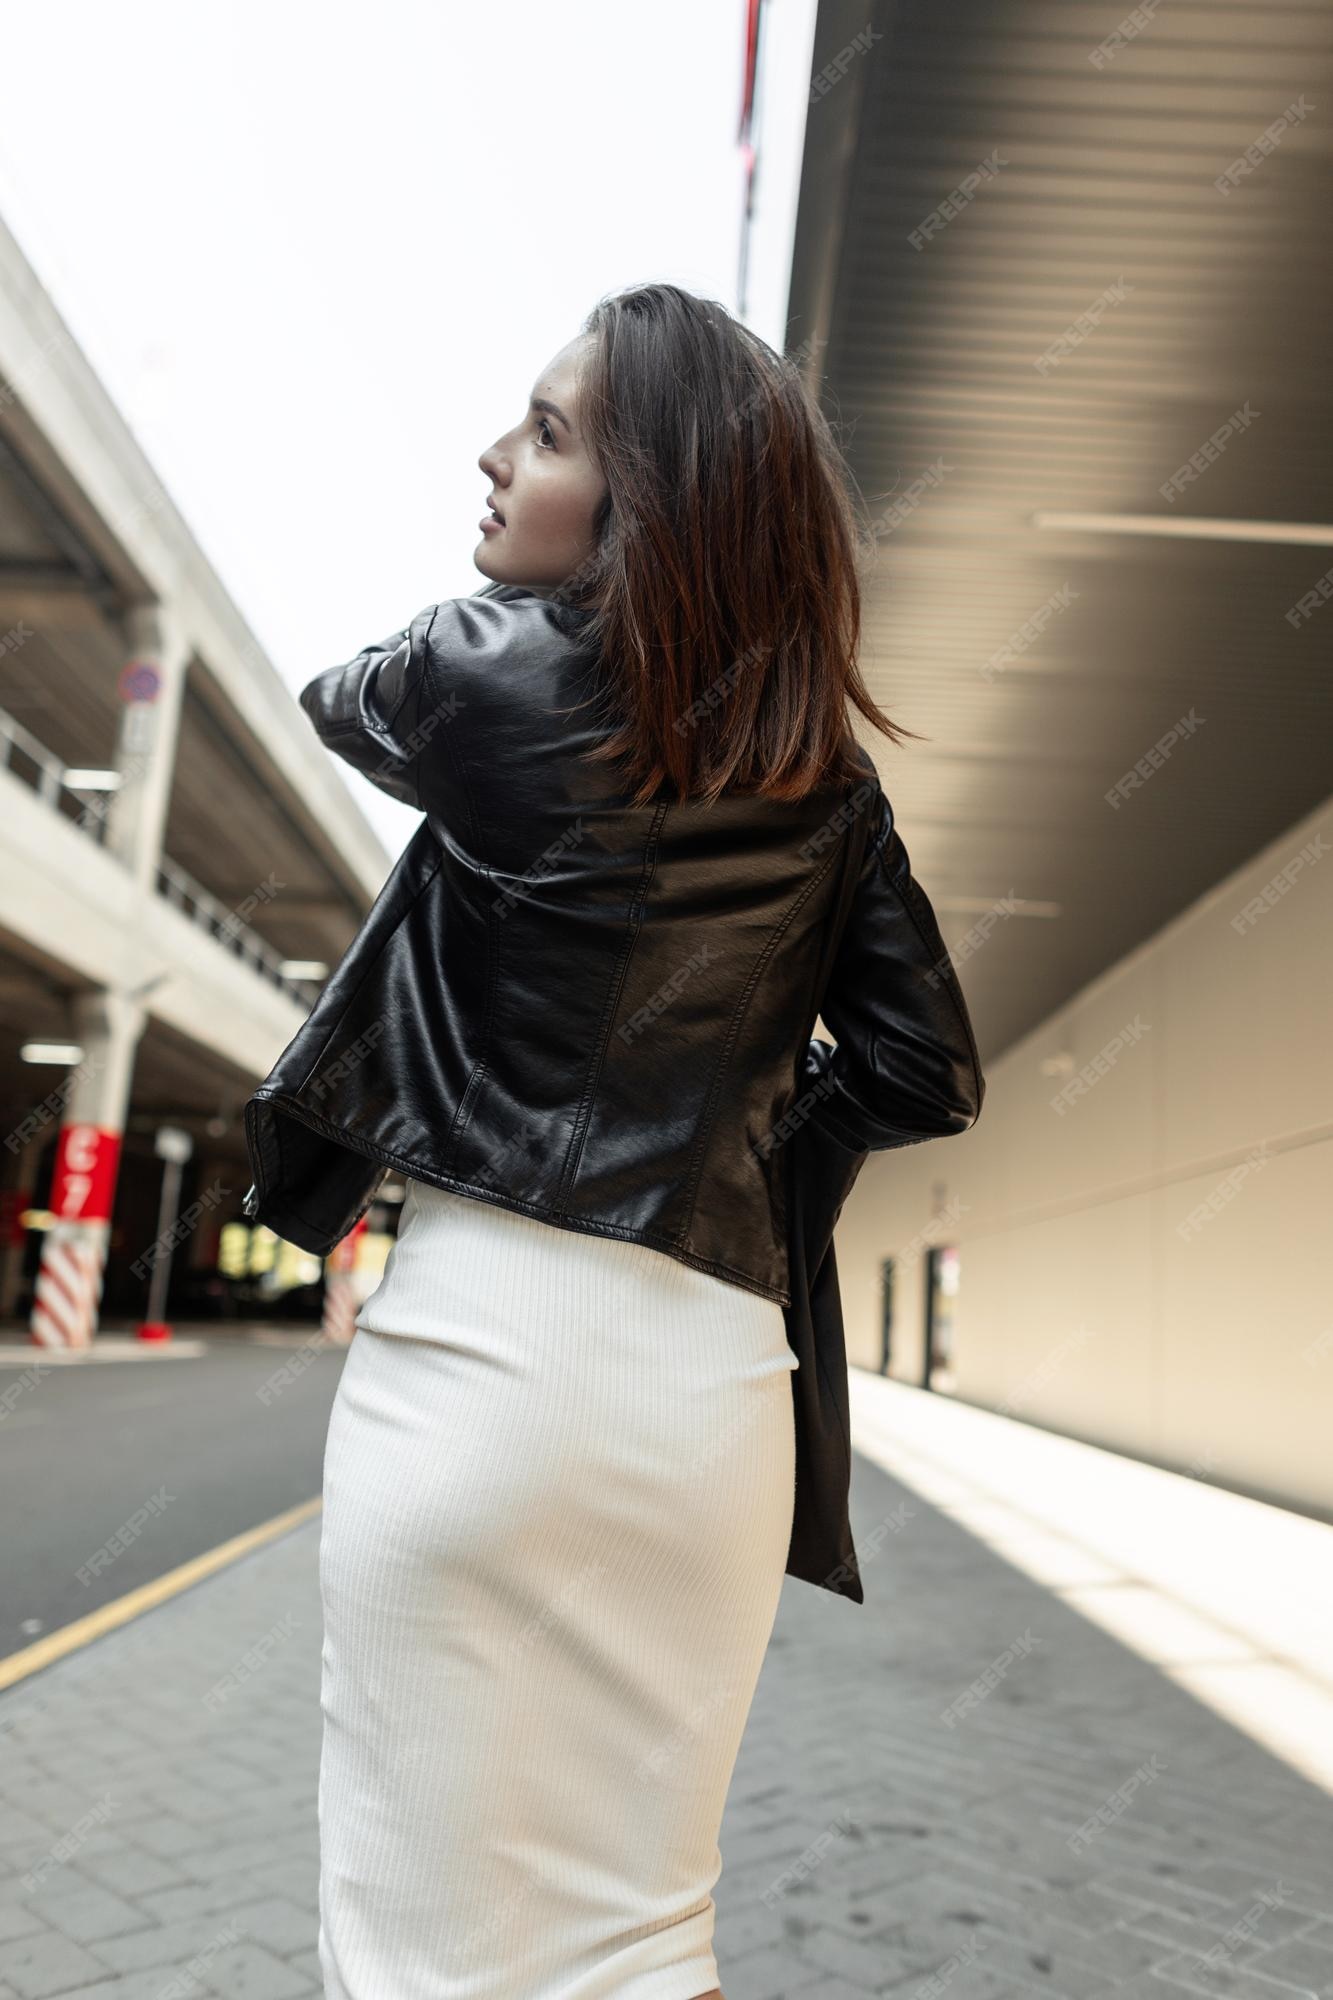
(489, 524)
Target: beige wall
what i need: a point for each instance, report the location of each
(1099, 1296)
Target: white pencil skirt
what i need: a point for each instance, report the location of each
(558, 1492)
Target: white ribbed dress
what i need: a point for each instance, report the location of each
(558, 1492)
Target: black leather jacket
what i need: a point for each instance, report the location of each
(601, 1015)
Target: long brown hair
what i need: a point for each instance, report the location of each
(724, 591)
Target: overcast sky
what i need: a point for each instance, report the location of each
(318, 254)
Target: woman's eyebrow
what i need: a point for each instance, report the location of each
(553, 410)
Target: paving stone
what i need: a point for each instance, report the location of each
(867, 1847)
(1198, 1975)
(45, 1963)
(1301, 1962)
(248, 1972)
(83, 1910)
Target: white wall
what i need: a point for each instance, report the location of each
(1097, 1296)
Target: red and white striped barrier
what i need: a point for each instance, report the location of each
(69, 1279)
(342, 1303)
(343, 1288)
(69, 1284)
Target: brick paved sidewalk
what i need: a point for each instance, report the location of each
(964, 1786)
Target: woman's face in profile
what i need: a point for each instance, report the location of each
(543, 485)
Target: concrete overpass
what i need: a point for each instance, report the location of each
(178, 856)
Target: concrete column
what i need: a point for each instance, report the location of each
(69, 1281)
(152, 687)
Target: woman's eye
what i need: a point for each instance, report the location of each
(542, 425)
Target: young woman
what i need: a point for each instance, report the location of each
(562, 1485)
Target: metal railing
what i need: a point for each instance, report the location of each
(194, 901)
(33, 764)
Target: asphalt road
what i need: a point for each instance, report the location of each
(191, 1446)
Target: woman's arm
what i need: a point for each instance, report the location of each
(371, 711)
(905, 1067)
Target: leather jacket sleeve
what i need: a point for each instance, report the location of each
(905, 1067)
(370, 712)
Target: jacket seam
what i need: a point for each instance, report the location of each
(582, 1117)
(480, 1069)
(355, 995)
(652, 1239)
(729, 1041)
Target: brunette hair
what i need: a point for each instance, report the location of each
(723, 594)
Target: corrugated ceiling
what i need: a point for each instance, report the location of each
(1044, 664)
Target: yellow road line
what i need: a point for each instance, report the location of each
(121, 1610)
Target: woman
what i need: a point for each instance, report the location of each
(560, 1473)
